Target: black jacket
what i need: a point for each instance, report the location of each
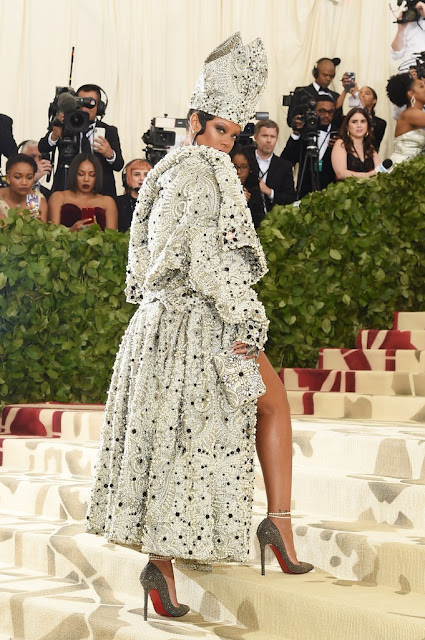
(303, 94)
(111, 135)
(125, 206)
(279, 178)
(8, 146)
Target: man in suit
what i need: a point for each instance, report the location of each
(275, 174)
(107, 148)
(7, 142)
(295, 149)
(323, 74)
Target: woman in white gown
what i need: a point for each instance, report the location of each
(175, 472)
(405, 91)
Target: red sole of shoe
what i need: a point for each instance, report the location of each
(157, 604)
(281, 561)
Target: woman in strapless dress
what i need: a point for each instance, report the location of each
(405, 91)
(82, 205)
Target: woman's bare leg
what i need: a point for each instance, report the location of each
(274, 449)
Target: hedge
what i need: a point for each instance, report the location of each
(346, 258)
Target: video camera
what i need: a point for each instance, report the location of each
(307, 110)
(160, 137)
(245, 136)
(410, 14)
(67, 102)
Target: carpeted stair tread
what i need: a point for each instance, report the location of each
(313, 606)
(390, 339)
(372, 359)
(409, 320)
(49, 455)
(53, 420)
(393, 383)
(65, 609)
(357, 406)
(396, 502)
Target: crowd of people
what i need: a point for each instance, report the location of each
(323, 147)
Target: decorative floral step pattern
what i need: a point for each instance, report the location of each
(382, 379)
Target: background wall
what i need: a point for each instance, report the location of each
(147, 54)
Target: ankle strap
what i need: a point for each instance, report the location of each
(281, 514)
(154, 556)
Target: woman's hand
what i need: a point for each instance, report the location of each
(247, 351)
(82, 224)
(246, 194)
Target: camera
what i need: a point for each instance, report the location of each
(420, 64)
(160, 137)
(410, 14)
(246, 135)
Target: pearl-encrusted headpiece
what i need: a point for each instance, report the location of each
(232, 80)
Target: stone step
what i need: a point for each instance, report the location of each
(350, 550)
(372, 359)
(231, 602)
(391, 383)
(409, 320)
(390, 339)
(357, 406)
(73, 422)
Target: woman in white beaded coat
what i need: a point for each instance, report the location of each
(176, 464)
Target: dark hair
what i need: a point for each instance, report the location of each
(75, 165)
(325, 97)
(90, 87)
(269, 124)
(397, 88)
(252, 179)
(368, 140)
(203, 118)
(21, 157)
(375, 95)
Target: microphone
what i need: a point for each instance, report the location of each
(385, 166)
(66, 102)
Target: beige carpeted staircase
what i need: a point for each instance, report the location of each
(359, 507)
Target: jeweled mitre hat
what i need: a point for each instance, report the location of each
(232, 80)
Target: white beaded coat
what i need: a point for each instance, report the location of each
(175, 469)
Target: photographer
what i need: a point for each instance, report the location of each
(106, 147)
(366, 97)
(410, 36)
(323, 74)
(7, 142)
(296, 147)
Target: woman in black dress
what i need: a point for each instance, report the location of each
(354, 154)
(247, 171)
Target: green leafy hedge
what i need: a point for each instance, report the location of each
(346, 259)
(62, 311)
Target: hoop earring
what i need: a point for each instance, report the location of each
(412, 101)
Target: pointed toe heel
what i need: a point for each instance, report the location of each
(155, 586)
(269, 534)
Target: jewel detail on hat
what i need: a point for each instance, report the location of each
(232, 80)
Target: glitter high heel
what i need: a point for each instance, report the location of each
(155, 585)
(269, 534)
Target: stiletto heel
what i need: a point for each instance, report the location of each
(155, 585)
(269, 534)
